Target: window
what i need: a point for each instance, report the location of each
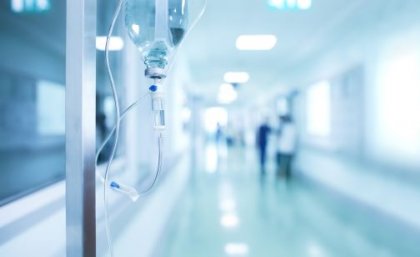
(318, 109)
(51, 108)
(32, 75)
(396, 123)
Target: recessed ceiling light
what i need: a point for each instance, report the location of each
(290, 4)
(236, 249)
(256, 42)
(227, 94)
(43, 4)
(236, 77)
(229, 220)
(115, 43)
(279, 4)
(304, 4)
(20, 6)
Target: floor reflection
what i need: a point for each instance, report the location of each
(233, 211)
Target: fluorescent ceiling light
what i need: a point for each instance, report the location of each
(115, 43)
(279, 4)
(236, 249)
(291, 4)
(304, 4)
(43, 4)
(236, 77)
(256, 42)
(229, 221)
(20, 6)
(227, 94)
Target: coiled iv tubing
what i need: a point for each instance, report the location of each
(117, 126)
(116, 130)
(119, 116)
(159, 144)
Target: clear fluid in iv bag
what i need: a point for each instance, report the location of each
(156, 45)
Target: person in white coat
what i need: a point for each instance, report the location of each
(286, 146)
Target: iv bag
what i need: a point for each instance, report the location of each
(157, 27)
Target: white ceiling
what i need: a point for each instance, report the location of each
(210, 48)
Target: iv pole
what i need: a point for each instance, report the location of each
(80, 128)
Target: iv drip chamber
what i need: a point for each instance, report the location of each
(158, 107)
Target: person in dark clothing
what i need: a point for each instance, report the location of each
(262, 141)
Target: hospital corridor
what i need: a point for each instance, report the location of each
(210, 128)
(236, 211)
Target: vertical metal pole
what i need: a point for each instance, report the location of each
(80, 128)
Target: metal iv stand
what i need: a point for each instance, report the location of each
(80, 128)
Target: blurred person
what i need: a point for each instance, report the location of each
(262, 140)
(230, 136)
(278, 154)
(286, 146)
(219, 133)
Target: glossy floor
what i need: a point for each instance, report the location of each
(229, 209)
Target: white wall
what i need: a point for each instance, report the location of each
(345, 133)
(178, 80)
(379, 118)
(393, 127)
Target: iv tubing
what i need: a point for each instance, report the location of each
(117, 125)
(123, 114)
(159, 165)
(159, 143)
